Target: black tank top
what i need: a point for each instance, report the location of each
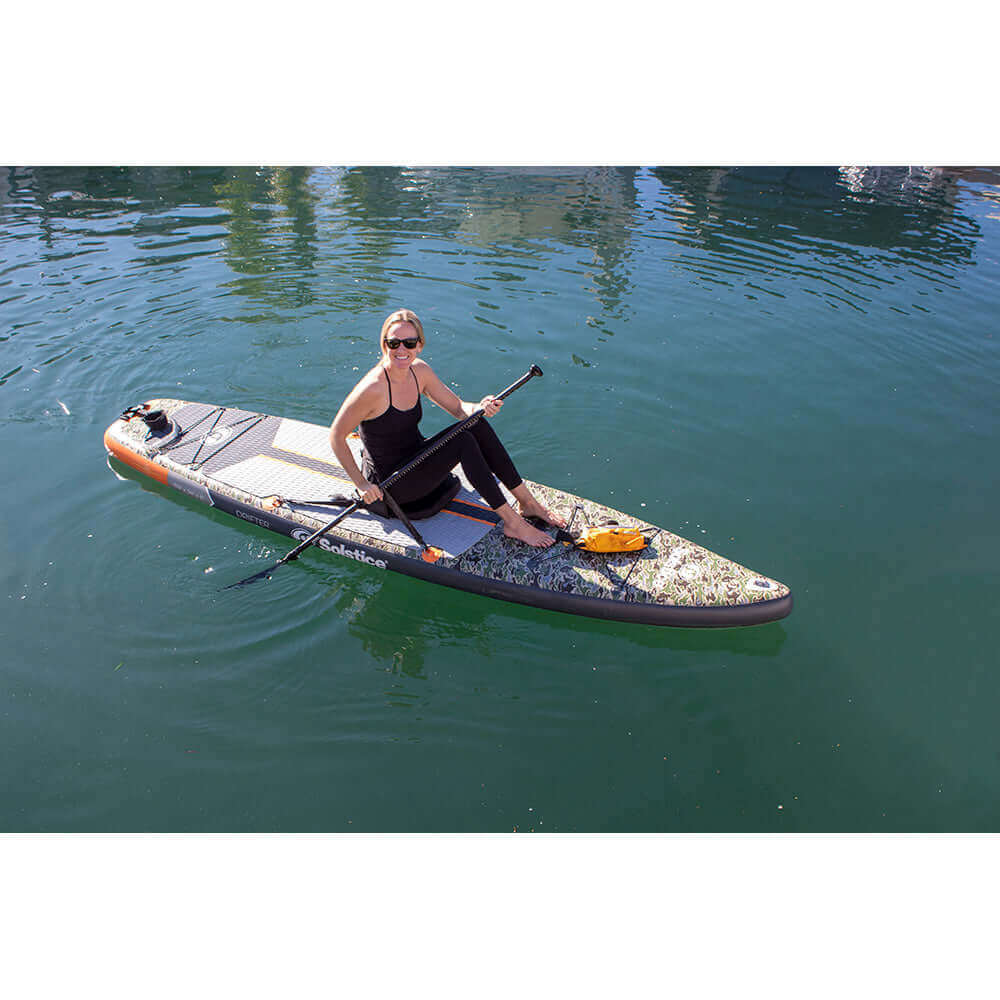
(391, 438)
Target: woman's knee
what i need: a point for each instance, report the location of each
(484, 434)
(468, 445)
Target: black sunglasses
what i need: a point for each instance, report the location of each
(393, 342)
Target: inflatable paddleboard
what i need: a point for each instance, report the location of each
(275, 472)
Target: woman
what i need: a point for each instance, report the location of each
(385, 407)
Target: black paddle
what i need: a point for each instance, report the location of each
(387, 482)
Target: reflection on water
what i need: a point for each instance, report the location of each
(843, 230)
(397, 626)
(861, 206)
(273, 228)
(337, 238)
(530, 212)
(172, 252)
(400, 626)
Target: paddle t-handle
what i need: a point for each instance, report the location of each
(529, 374)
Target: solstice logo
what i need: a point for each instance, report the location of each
(339, 549)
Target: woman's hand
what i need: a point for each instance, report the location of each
(490, 405)
(369, 492)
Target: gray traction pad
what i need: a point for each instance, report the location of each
(266, 456)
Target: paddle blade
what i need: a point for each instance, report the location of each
(264, 574)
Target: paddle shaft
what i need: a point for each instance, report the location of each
(390, 480)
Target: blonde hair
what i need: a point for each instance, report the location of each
(401, 316)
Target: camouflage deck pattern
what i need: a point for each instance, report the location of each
(671, 571)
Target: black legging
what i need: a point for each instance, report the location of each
(481, 455)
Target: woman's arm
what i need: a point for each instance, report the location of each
(361, 404)
(437, 392)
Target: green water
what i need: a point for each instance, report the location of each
(797, 368)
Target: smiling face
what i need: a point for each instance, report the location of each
(400, 334)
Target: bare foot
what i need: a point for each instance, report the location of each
(517, 527)
(529, 506)
(533, 508)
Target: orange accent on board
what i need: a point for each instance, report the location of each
(431, 554)
(138, 462)
(472, 503)
(469, 517)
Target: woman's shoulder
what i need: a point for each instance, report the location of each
(369, 390)
(371, 381)
(422, 372)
